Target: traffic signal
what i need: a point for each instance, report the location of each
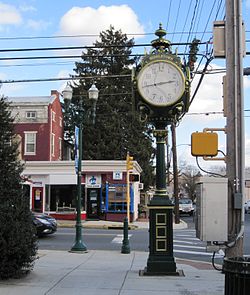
(134, 177)
(204, 144)
(129, 162)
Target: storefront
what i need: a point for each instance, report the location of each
(53, 189)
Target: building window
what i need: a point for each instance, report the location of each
(52, 144)
(30, 143)
(60, 121)
(53, 116)
(60, 148)
(31, 114)
(116, 198)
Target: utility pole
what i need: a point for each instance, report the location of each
(235, 127)
(175, 173)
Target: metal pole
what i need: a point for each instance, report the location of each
(79, 246)
(175, 172)
(125, 243)
(235, 127)
(128, 196)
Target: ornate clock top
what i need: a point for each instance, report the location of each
(161, 44)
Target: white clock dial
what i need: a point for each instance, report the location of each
(161, 83)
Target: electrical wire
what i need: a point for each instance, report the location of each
(208, 172)
(192, 23)
(169, 10)
(85, 47)
(177, 17)
(64, 79)
(213, 263)
(185, 21)
(199, 17)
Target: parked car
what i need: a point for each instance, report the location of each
(186, 206)
(44, 223)
(247, 206)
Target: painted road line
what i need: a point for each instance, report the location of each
(118, 239)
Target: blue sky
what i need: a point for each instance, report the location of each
(43, 18)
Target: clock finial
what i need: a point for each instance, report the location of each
(161, 44)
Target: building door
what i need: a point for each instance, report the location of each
(37, 199)
(93, 203)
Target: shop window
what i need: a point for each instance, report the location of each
(116, 198)
(62, 198)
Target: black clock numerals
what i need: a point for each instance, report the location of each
(161, 67)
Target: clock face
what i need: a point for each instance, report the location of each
(161, 83)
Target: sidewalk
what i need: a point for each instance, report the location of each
(111, 273)
(103, 224)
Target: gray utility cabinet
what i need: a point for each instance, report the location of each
(211, 217)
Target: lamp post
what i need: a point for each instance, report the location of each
(93, 93)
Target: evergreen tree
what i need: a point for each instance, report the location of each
(118, 128)
(17, 239)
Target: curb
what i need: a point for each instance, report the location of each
(95, 226)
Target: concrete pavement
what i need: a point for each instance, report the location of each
(111, 273)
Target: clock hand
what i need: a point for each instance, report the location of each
(159, 83)
(166, 82)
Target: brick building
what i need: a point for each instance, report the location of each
(38, 126)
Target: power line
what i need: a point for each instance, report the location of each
(63, 79)
(169, 10)
(89, 35)
(86, 47)
(177, 17)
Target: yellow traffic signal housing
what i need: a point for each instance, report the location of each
(129, 162)
(204, 144)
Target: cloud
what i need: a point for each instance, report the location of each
(246, 82)
(87, 20)
(247, 150)
(9, 15)
(26, 8)
(37, 24)
(209, 96)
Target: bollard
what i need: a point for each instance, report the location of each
(125, 242)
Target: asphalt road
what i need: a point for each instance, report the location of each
(186, 245)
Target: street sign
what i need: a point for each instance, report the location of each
(76, 148)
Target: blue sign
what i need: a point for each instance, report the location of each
(76, 148)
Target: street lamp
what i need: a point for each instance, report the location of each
(93, 93)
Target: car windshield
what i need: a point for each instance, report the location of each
(185, 201)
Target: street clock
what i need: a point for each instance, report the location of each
(161, 83)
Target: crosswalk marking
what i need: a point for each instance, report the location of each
(197, 253)
(185, 242)
(193, 247)
(188, 242)
(118, 239)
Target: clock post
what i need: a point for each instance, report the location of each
(163, 90)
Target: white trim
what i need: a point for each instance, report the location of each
(52, 144)
(60, 148)
(53, 116)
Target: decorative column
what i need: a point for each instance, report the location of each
(160, 260)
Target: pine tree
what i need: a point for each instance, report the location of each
(17, 239)
(118, 129)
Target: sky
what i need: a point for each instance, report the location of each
(43, 24)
